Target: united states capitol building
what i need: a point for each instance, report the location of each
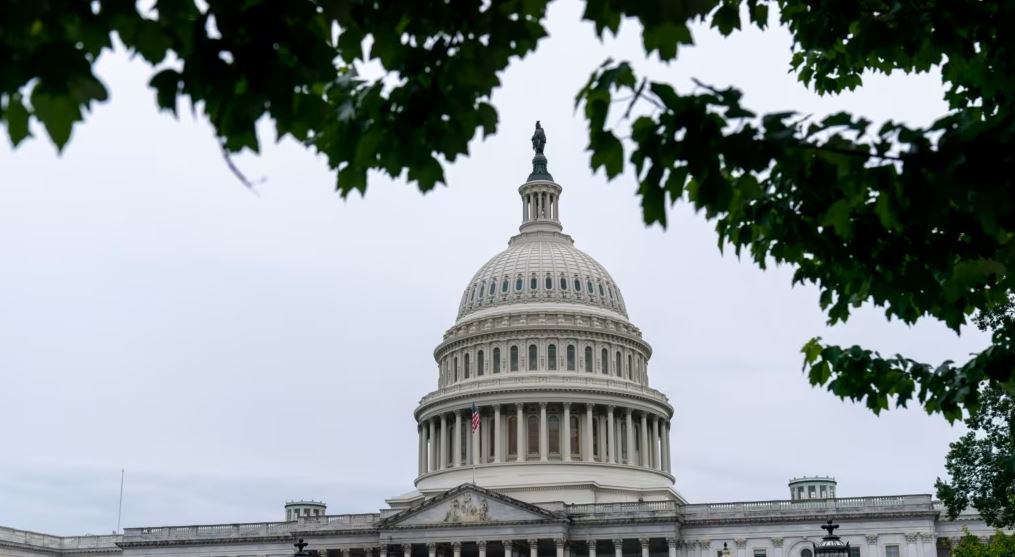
(544, 438)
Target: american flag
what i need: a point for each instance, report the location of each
(475, 418)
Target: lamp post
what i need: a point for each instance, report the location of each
(300, 545)
(831, 545)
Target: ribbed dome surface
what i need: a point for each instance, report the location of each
(541, 267)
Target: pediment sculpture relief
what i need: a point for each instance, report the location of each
(464, 510)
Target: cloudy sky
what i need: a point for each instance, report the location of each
(232, 350)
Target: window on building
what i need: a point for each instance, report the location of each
(496, 360)
(854, 552)
(468, 368)
(577, 285)
(533, 357)
(512, 440)
(588, 285)
(548, 283)
(619, 371)
(604, 358)
(629, 366)
(514, 359)
(493, 287)
(519, 283)
(760, 553)
(533, 435)
(588, 359)
(456, 368)
(891, 551)
(551, 357)
(553, 427)
(533, 283)
(805, 552)
(480, 363)
(570, 357)
(600, 289)
(504, 285)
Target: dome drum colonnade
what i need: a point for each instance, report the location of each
(542, 347)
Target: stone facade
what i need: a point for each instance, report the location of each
(570, 454)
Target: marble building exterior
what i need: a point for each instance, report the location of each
(570, 456)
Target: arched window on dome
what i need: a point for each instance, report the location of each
(601, 292)
(480, 363)
(512, 439)
(577, 284)
(533, 357)
(563, 282)
(618, 369)
(575, 437)
(456, 369)
(533, 283)
(570, 357)
(468, 366)
(553, 431)
(604, 361)
(493, 287)
(630, 371)
(514, 358)
(519, 283)
(588, 359)
(588, 285)
(548, 283)
(504, 285)
(496, 360)
(472, 294)
(532, 437)
(551, 357)
(613, 293)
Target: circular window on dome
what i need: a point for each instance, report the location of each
(563, 283)
(548, 283)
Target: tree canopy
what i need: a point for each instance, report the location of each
(919, 221)
(999, 545)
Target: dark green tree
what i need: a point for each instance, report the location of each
(917, 220)
(982, 462)
(1000, 545)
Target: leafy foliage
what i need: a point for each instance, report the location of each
(917, 220)
(1000, 545)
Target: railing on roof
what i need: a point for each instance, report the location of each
(59, 543)
(249, 529)
(808, 506)
(562, 378)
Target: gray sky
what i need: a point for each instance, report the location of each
(232, 351)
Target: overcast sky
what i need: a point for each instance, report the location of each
(233, 350)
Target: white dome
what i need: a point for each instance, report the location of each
(541, 266)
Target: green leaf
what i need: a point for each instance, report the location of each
(16, 116)
(58, 113)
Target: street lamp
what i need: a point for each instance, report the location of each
(299, 549)
(831, 545)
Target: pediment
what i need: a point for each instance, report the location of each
(468, 505)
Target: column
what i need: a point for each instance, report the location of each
(777, 547)
(671, 544)
(618, 548)
(482, 548)
(566, 445)
(475, 449)
(644, 546)
(630, 438)
(592, 547)
(533, 548)
(543, 452)
(520, 423)
(509, 548)
(611, 438)
(911, 538)
(644, 440)
(741, 544)
(588, 433)
(559, 542)
(444, 442)
(498, 444)
(666, 447)
(929, 543)
(457, 443)
(431, 549)
(433, 446)
(656, 461)
(420, 451)
(456, 547)
(406, 550)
